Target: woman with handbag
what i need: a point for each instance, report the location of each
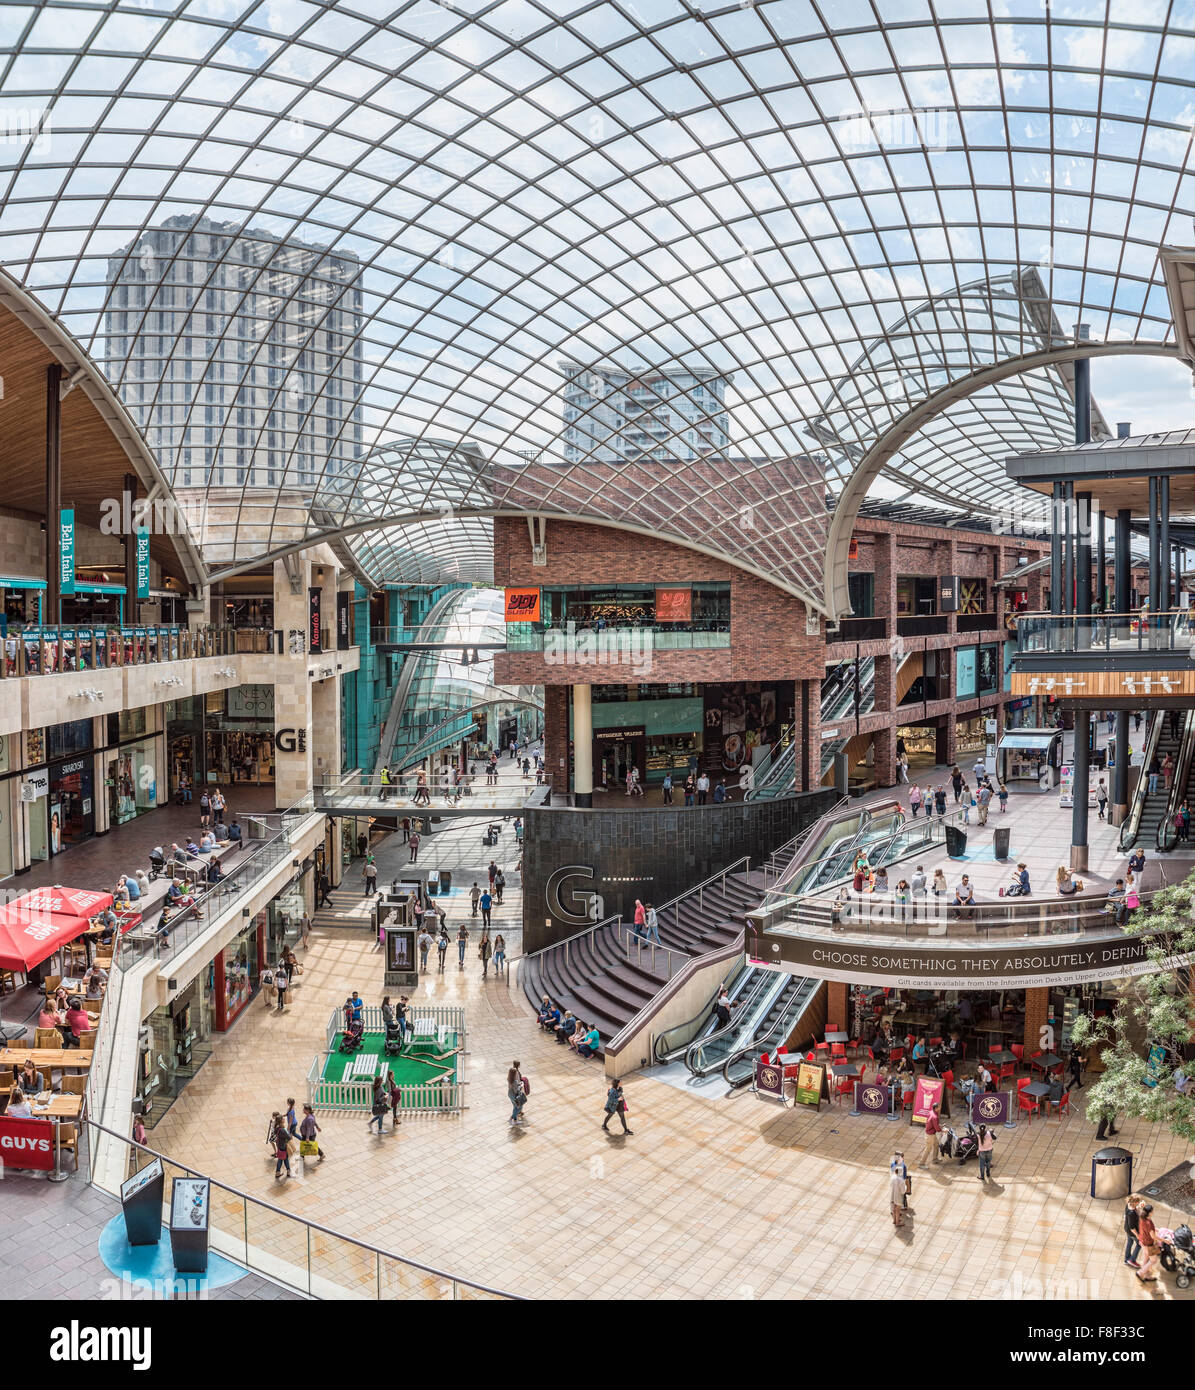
(281, 1142)
(379, 1105)
(616, 1105)
(308, 1129)
(517, 1091)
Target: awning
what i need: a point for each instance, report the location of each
(33, 927)
(1036, 738)
(11, 581)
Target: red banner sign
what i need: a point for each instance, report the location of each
(926, 1096)
(27, 1143)
(522, 605)
(674, 605)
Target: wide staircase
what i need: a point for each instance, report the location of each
(605, 976)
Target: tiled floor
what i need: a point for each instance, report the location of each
(723, 1197)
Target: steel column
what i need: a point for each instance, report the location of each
(1164, 540)
(1056, 551)
(1155, 570)
(1080, 784)
(53, 493)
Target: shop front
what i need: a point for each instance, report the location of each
(71, 802)
(1018, 714)
(972, 735)
(237, 971)
(617, 750)
(1028, 760)
(919, 743)
(180, 1043)
(184, 742)
(131, 771)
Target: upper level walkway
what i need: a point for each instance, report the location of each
(508, 794)
(1152, 638)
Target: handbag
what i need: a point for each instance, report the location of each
(308, 1148)
(526, 1087)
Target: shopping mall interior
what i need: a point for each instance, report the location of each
(597, 694)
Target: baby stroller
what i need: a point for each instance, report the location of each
(157, 862)
(393, 1045)
(354, 1037)
(1178, 1254)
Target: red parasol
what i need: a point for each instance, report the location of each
(36, 925)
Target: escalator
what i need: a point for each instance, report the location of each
(1183, 788)
(776, 775)
(835, 858)
(710, 1053)
(773, 1030)
(743, 985)
(1148, 809)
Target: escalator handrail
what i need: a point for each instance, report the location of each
(849, 847)
(700, 1018)
(1132, 822)
(736, 1023)
(800, 998)
(1166, 836)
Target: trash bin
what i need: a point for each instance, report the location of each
(445, 880)
(956, 842)
(1000, 841)
(1112, 1173)
(433, 883)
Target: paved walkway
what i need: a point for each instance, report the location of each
(721, 1198)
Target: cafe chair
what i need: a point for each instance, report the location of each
(1026, 1103)
(47, 1037)
(68, 1142)
(8, 982)
(821, 1046)
(50, 983)
(838, 1052)
(843, 1088)
(895, 1055)
(1007, 1071)
(87, 1040)
(74, 1085)
(1064, 1106)
(833, 1028)
(1018, 1051)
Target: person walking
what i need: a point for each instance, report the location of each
(690, 790)
(474, 897)
(292, 1122)
(305, 930)
(516, 1093)
(956, 781)
(413, 845)
(462, 940)
(933, 1127)
(205, 811)
(384, 789)
(915, 800)
(485, 949)
(442, 944)
(703, 789)
(370, 874)
(898, 1165)
(1101, 797)
(486, 903)
(1107, 1125)
(1132, 1216)
(666, 788)
(308, 1130)
(940, 803)
(499, 953)
(281, 1142)
(499, 886)
(616, 1105)
(1002, 793)
(987, 1142)
(379, 1104)
(985, 801)
(426, 941)
(896, 1193)
(324, 896)
(394, 1096)
(281, 984)
(1074, 1065)
(1147, 1236)
(1168, 770)
(651, 923)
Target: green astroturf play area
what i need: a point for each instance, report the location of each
(418, 1062)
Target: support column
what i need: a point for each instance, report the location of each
(1164, 540)
(1123, 560)
(1101, 566)
(1082, 781)
(53, 493)
(583, 745)
(1068, 568)
(1083, 553)
(1037, 1010)
(1056, 531)
(1120, 773)
(1155, 569)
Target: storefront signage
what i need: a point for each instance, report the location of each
(35, 785)
(674, 605)
(66, 551)
(142, 562)
(291, 740)
(871, 1099)
(27, 1144)
(769, 1079)
(343, 620)
(522, 605)
(617, 735)
(69, 769)
(314, 629)
(926, 1096)
(990, 1107)
(853, 549)
(969, 966)
(1103, 685)
(811, 1078)
(948, 593)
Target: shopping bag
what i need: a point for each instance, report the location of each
(308, 1148)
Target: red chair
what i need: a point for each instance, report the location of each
(935, 1042)
(838, 1052)
(1008, 1070)
(1018, 1051)
(996, 1047)
(844, 1088)
(833, 1028)
(809, 1057)
(1064, 1106)
(1026, 1103)
(895, 1055)
(821, 1047)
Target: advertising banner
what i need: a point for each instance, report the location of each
(522, 605)
(810, 1079)
(991, 1108)
(929, 1093)
(27, 1144)
(344, 622)
(871, 1099)
(769, 1079)
(674, 605)
(142, 562)
(314, 619)
(740, 716)
(66, 552)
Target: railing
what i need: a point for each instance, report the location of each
(879, 914)
(289, 1250)
(56, 648)
(789, 852)
(468, 791)
(761, 770)
(1166, 836)
(858, 630)
(1107, 633)
(905, 836)
(976, 622)
(1131, 826)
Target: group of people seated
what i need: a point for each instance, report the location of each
(584, 1039)
(69, 1015)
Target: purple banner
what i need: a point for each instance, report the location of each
(990, 1108)
(871, 1099)
(769, 1078)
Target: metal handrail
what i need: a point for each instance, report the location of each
(766, 978)
(784, 1023)
(1078, 632)
(270, 1272)
(801, 838)
(1132, 822)
(1166, 836)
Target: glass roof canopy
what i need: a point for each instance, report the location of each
(868, 215)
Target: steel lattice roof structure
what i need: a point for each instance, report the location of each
(880, 221)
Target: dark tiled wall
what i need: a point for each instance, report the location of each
(653, 854)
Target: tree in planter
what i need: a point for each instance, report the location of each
(1156, 1009)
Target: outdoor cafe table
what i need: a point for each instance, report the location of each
(61, 1107)
(1002, 1057)
(1047, 1061)
(837, 1037)
(846, 1072)
(45, 1058)
(1039, 1090)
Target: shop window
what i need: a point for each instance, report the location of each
(74, 737)
(862, 589)
(915, 597)
(989, 670)
(972, 596)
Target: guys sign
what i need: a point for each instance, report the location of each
(27, 1144)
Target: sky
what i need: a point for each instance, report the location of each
(1151, 393)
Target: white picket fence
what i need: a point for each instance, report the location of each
(441, 1095)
